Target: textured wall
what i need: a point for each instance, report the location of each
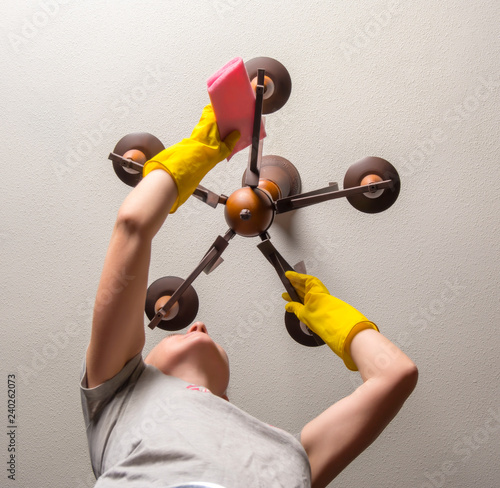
(415, 83)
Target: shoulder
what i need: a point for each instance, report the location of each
(96, 398)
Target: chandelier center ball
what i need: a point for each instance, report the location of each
(249, 211)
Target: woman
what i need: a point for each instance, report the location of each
(166, 420)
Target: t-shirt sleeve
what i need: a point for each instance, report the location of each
(95, 399)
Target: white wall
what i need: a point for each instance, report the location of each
(419, 87)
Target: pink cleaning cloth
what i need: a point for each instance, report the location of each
(233, 100)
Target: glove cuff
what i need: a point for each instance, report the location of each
(346, 352)
(151, 166)
(187, 162)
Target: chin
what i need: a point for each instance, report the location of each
(191, 357)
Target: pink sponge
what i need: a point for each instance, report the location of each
(233, 100)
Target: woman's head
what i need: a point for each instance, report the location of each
(193, 357)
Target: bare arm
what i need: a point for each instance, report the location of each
(170, 178)
(118, 322)
(338, 435)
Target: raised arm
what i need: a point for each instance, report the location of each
(338, 435)
(118, 322)
(169, 179)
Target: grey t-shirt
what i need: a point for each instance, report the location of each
(145, 428)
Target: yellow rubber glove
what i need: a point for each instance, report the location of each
(335, 321)
(191, 159)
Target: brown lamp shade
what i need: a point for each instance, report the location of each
(281, 84)
(145, 143)
(299, 333)
(364, 168)
(188, 302)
